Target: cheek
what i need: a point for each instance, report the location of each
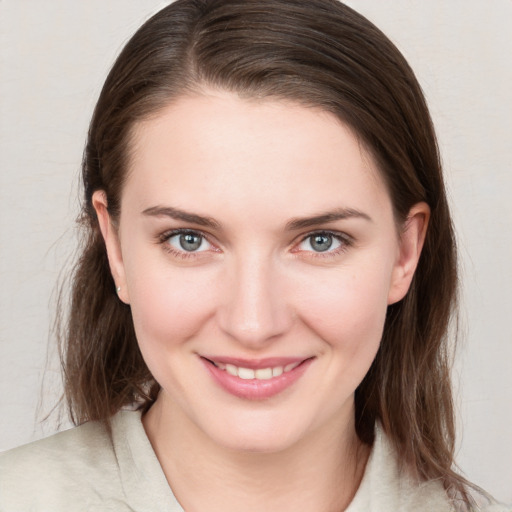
(168, 304)
(348, 310)
(350, 323)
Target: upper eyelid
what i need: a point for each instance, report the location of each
(337, 234)
(167, 235)
(344, 239)
(164, 238)
(179, 231)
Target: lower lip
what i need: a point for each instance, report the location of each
(256, 389)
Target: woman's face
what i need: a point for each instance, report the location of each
(258, 251)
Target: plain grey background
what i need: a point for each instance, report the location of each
(54, 56)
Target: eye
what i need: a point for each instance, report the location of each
(188, 241)
(324, 242)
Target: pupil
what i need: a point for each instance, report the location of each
(190, 242)
(321, 243)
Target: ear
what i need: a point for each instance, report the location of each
(411, 242)
(111, 238)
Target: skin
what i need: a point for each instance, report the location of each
(257, 289)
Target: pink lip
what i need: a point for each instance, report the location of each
(255, 389)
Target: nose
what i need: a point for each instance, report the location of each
(254, 308)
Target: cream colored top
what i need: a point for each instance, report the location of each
(83, 469)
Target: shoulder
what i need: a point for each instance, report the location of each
(496, 507)
(488, 504)
(60, 471)
(386, 487)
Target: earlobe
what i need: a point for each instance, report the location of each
(111, 238)
(411, 243)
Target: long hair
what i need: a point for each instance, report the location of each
(319, 53)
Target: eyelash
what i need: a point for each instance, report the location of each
(345, 242)
(164, 238)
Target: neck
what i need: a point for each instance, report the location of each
(320, 473)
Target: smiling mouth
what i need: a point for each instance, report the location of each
(256, 379)
(255, 374)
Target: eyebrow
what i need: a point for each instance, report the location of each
(292, 225)
(175, 213)
(323, 218)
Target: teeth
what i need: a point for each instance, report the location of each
(290, 367)
(232, 370)
(259, 374)
(263, 374)
(278, 370)
(246, 373)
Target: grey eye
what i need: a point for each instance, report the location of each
(190, 241)
(321, 242)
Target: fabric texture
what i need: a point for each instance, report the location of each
(84, 469)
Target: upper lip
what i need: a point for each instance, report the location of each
(256, 364)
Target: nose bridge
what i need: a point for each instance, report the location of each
(255, 310)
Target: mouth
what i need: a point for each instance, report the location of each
(258, 373)
(256, 379)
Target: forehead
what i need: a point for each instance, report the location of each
(217, 145)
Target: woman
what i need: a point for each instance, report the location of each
(267, 276)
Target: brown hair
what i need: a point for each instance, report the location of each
(320, 53)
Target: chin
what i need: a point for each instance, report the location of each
(264, 443)
(257, 435)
